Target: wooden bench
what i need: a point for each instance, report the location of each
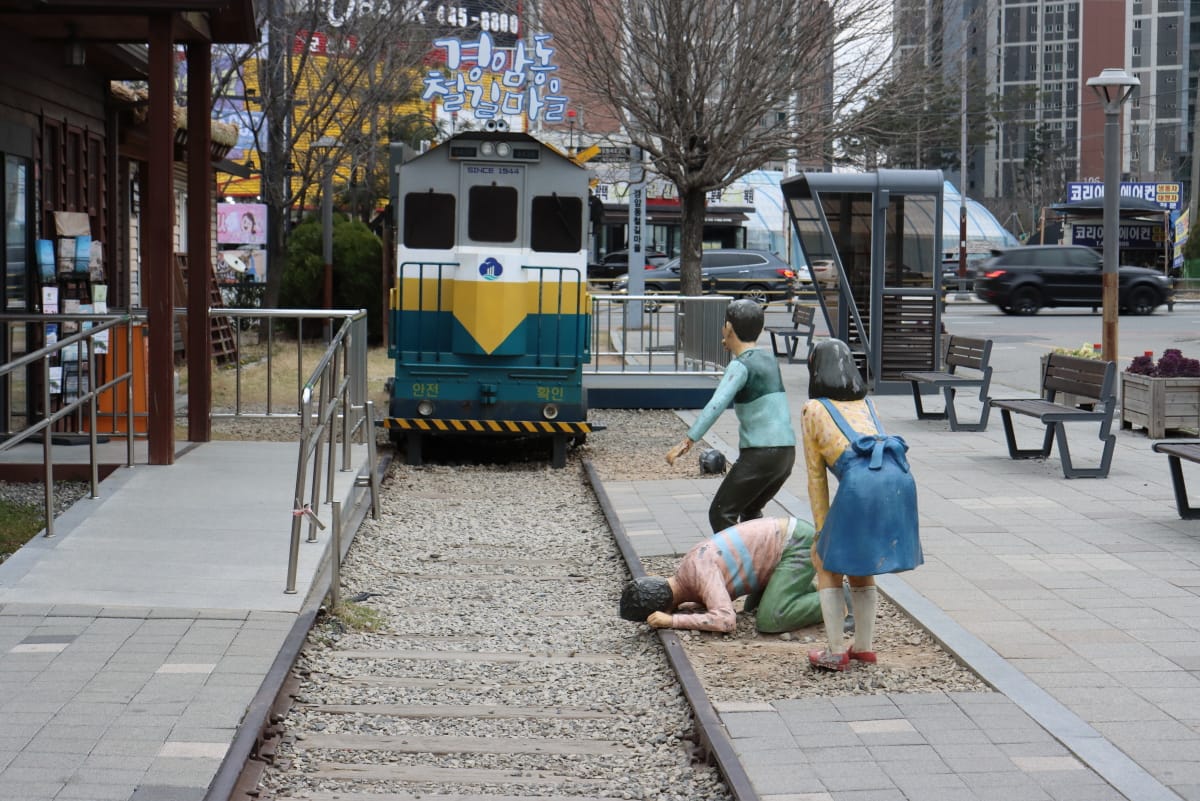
(961, 352)
(785, 341)
(1094, 383)
(1176, 452)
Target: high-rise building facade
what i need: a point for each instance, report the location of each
(1036, 56)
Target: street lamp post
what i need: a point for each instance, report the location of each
(328, 144)
(1113, 86)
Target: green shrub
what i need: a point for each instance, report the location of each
(357, 270)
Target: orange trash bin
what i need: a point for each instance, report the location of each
(112, 403)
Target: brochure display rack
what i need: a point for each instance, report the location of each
(72, 283)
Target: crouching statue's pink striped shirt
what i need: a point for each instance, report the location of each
(734, 562)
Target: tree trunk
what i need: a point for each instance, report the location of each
(691, 240)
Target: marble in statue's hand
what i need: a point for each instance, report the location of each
(659, 620)
(678, 450)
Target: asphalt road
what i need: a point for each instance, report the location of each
(1019, 342)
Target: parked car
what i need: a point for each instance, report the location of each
(756, 274)
(1024, 279)
(950, 271)
(617, 263)
(823, 271)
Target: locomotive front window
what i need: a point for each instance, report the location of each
(557, 224)
(428, 221)
(492, 214)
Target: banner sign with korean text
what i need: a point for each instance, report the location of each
(1133, 236)
(1166, 195)
(491, 82)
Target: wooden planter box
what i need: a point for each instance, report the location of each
(1159, 404)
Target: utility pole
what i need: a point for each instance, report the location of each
(1194, 187)
(962, 174)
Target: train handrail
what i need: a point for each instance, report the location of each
(331, 386)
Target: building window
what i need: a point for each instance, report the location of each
(16, 235)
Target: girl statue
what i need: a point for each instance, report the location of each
(870, 527)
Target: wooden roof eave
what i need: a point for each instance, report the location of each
(120, 21)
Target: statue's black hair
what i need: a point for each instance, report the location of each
(746, 317)
(832, 372)
(645, 595)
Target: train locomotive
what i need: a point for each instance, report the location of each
(490, 316)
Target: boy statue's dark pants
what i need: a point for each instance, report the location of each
(751, 483)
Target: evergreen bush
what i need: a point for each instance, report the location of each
(357, 270)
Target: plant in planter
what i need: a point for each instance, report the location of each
(1161, 395)
(1087, 351)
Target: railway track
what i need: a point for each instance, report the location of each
(497, 667)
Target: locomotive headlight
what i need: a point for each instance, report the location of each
(425, 408)
(550, 411)
(487, 149)
(503, 149)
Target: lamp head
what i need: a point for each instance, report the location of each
(1114, 85)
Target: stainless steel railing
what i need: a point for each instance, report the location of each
(664, 334)
(95, 335)
(333, 410)
(264, 323)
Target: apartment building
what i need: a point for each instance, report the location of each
(1037, 56)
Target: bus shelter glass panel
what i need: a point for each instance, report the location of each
(882, 233)
(911, 243)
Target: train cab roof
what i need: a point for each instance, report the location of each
(496, 146)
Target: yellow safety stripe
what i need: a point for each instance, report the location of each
(487, 426)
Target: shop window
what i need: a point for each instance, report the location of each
(17, 232)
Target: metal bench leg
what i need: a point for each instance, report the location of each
(790, 342)
(793, 345)
(952, 416)
(1186, 511)
(1025, 453)
(921, 413)
(1069, 470)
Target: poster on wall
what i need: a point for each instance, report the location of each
(241, 224)
(242, 264)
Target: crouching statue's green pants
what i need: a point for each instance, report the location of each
(790, 600)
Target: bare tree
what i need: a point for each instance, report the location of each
(711, 91)
(321, 72)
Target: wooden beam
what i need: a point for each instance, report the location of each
(159, 257)
(199, 227)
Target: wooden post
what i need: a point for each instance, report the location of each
(200, 188)
(159, 210)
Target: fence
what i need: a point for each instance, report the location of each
(659, 334)
(34, 373)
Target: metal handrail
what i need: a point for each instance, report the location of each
(657, 340)
(85, 338)
(357, 353)
(340, 375)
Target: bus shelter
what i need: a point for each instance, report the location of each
(883, 233)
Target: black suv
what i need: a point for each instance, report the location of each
(1024, 279)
